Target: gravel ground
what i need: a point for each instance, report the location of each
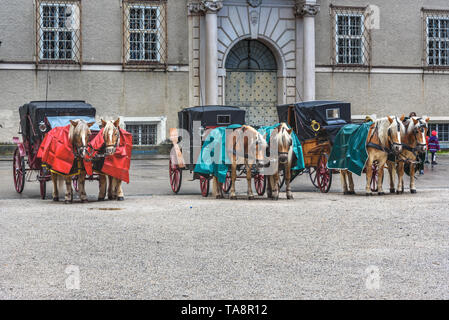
(156, 245)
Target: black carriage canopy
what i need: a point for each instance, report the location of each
(331, 116)
(37, 111)
(210, 116)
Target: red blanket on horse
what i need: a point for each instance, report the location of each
(56, 150)
(116, 165)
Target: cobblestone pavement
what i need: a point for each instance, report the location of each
(156, 245)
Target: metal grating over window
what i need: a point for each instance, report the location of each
(144, 32)
(351, 37)
(436, 29)
(442, 130)
(58, 31)
(143, 134)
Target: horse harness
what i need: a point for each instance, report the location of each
(414, 150)
(378, 146)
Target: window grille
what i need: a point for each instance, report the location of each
(436, 29)
(143, 134)
(58, 31)
(442, 130)
(351, 37)
(145, 32)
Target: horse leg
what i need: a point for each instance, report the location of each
(369, 174)
(381, 164)
(110, 188)
(391, 173)
(275, 187)
(269, 186)
(120, 196)
(216, 188)
(412, 178)
(233, 177)
(400, 173)
(68, 190)
(288, 176)
(248, 180)
(82, 184)
(344, 184)
(55, 180)
(103, 184)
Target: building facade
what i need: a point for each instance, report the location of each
(145, 60)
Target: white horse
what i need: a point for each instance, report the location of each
(282, 138)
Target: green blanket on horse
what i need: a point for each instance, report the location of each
(298, 163)
(349, 149)
(213, 159)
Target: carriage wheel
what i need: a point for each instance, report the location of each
(18, 170)
(43, 183)
(260, 184)
(323, 174)
(374, 178)
(175, 174)
(281, 178)
(75, 183)
(204, 186)
(313, 176)
(227, 184)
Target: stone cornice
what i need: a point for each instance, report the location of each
(304, 9)
(204, 6)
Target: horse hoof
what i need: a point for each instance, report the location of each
(413, 191)
(392, 190)
(233, 197)
(381, 193)
(100, 199)
(289, 196)
(346, 193)
(55, 199)
(67, 201)
(84, 200)
(120, 198)
(351, 192)
(368, 194)
(250, 197)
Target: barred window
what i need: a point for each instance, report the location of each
(442, 130)
(143, 134)
(145, 32)
(437, 38)
(351, 37)
(58, 31)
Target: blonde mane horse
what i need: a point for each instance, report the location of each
(243, 146)
(414, 142)
(111, 136)
(78, 136)
(384, 137)
(280, 137)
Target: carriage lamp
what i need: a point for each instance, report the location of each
(42, 126)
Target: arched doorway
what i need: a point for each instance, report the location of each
(251, 81)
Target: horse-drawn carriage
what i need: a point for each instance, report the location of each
(196, 124)
(316, 123)
(36, 119)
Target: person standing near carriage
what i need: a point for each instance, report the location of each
(434, 146)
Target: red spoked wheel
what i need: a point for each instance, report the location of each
(204, 186)
(313, 176)
(227, 184)
(323, 174)
(43, 182)
(374, 178)
(260, 184)
(75, 183)
(18, 170)
(175, 174)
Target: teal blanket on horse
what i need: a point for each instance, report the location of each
(349, 149)
(213, 159)
(297, 148)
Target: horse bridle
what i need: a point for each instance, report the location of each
(117, 134)
(415, 133)
(390, 140)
